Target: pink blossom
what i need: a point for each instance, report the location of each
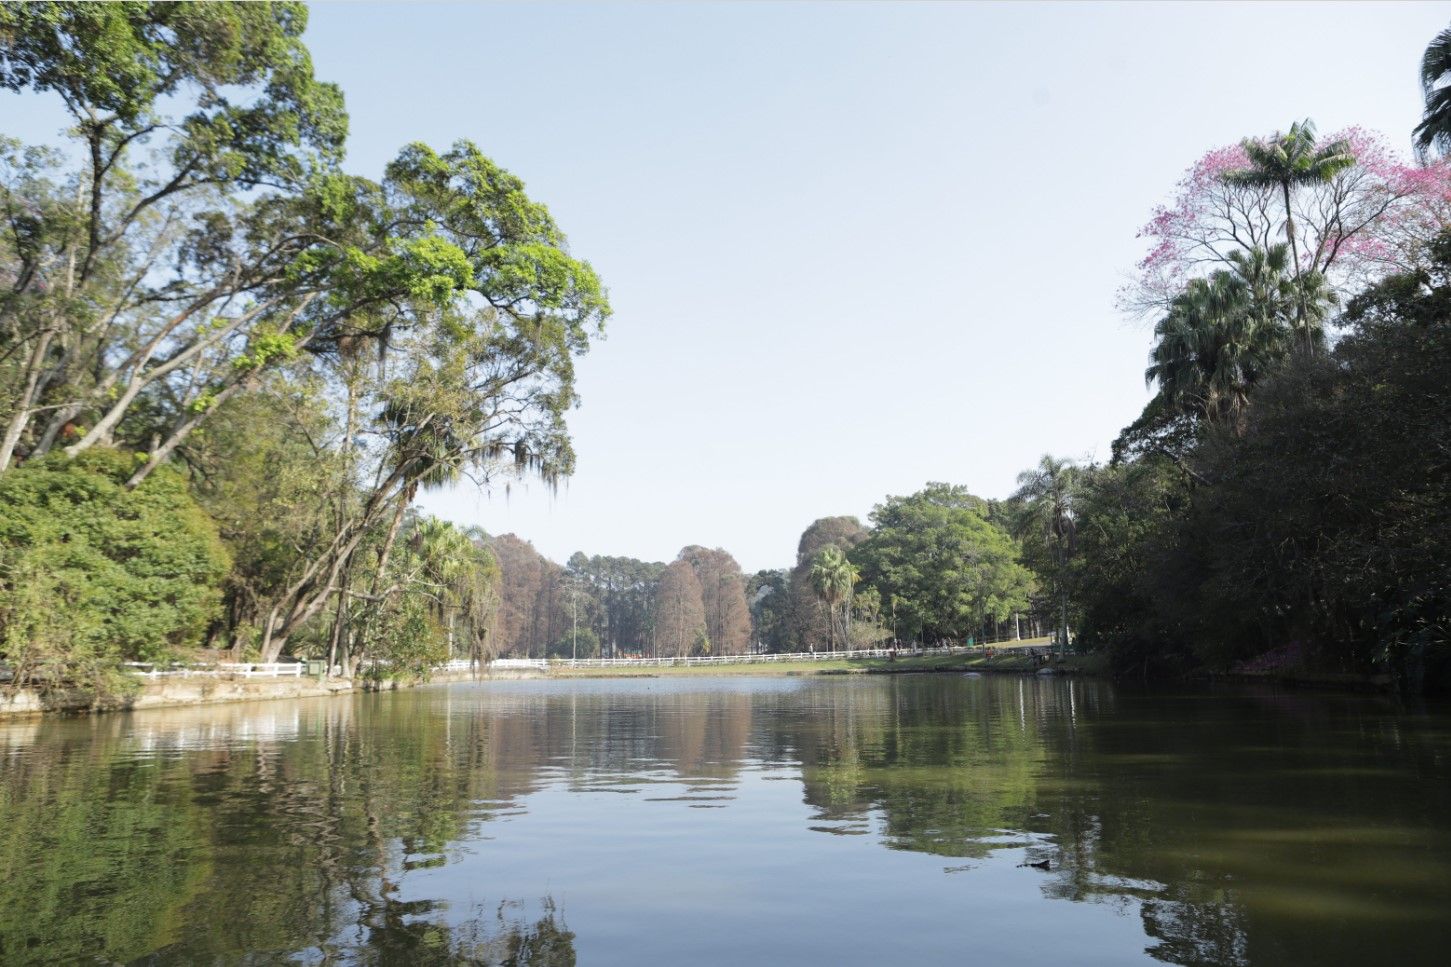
(1369, 220)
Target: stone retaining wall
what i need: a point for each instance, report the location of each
(169, 693)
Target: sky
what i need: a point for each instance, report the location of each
(851, 248)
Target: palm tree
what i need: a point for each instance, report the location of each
(456, 573)
(1047, 494)
(1434, 131)
(1285, 161)
(834, 577)
(1222, 334)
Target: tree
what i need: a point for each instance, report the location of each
(680, 614)
(834, 578)
(257, 471)
(1128, 564)
(128, 276)
(1221, 336)
(1434, 131)
(945, 567)
(1370, 218)
(1226, 332)
(527, 582)
(438, 598)
(723, 595)
(1287, 161)
(1047, 497)
(1308, 536)
(201, 260)
(616, 600)
(1325, 524)
(482, 354)
(768, 594)
(808, 625)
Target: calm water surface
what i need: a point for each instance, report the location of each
(865, 820)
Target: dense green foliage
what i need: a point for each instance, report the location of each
(93, 573)
(768, 594)
(1307, 532)
(940, 565)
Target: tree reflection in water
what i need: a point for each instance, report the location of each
(1229, 823)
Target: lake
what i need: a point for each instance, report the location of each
(732, 820)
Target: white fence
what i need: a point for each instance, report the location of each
(220, 670)
(250, 670)
(464, 665)
(538, 663)
(1010, 644)
(151, 672)
(745, 659)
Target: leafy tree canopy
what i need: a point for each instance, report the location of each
(945, 568)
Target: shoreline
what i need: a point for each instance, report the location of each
(196, 692)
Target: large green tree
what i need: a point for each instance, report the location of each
(944, 568)
(167, 253)
(481, 356)
(1130, 574)
(1222, 335)
(438, 600)
(201, 245)
(1325, 525)
(768, 594)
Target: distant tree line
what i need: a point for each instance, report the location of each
(943, 561)
(619, 606)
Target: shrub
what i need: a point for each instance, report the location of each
(93, 574)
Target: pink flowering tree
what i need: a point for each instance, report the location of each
(1366, 221)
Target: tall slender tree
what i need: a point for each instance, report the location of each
(723, 593)
(834, 579)
(1047, 495)
(680, 613)
(1284, 161)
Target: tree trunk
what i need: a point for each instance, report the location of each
(1063, 627)
(1300, 319)
(359, 644)
(163, 451)
(21, 417)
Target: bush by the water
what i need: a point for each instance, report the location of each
(93, 574)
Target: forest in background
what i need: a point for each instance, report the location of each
(228, 368)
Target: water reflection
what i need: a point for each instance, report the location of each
(729, 818)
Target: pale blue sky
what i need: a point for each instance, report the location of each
(851, 247)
